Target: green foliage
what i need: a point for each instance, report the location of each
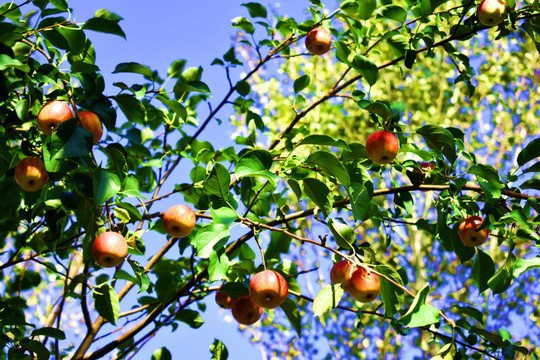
(296, 186)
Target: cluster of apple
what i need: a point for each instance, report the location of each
(30, 172)
(363, 285)
(110, 248)
(267, 289)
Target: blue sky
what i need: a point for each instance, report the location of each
(158, 33)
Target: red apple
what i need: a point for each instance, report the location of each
(425, 168)
(245, 311)
(91, 122)
(109, 249)
(469, 234)
(341, 272)
(52, 114)
(364, 285)
(382, 147)
(491, 12)
(268, 289)
(223, 299)
(318, 41)
(30, 174)
(179, 221)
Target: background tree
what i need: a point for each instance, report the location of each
(295, 193)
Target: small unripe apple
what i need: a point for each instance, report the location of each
(222, 299)
(109, 249)
(382, 147)
(91, 122)
(364, 285)
(52, 114)
(341, 272)
(469, 234)
(491, 12)
(30, 174)
(245, 311)
(268, 289)
(179, 221)
(425, 168)
(318, 41)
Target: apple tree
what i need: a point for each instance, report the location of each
(454, 86)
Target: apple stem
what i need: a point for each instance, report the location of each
(256, 236)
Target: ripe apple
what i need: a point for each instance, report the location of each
(491, 12)
(268, 289)
(245, 311)
(223, 300)
(469, 234)
(382, 147)
(52, 114)
(341, 272)
(425, 168)
(109, 249)
(364, 285)
(318, 41)
(91, 122)
(179, 221)
(30, 174)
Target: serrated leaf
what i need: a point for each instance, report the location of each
(391, 295)
(522, 265)
(218, 350)
(330, 163)
(210, 239)
(482, 270)
(106, 185)
(106, 302)
(319, 193)
(162, 354)
(327, 298)
(530, 152)
(293, 314)
(440, 140)
(420, 313)
(301, 83)
(218, 182)
(323, 140)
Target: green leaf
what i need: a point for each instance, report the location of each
(447, 352)
(8, 62)
(132, 108)
(533, 168)
(367, 68)
(290, 308)
(330, 163)
(49, 332)
(410, 57)
(531, 151)
(366, 8)
(301, 83)
(420, 313)
(106, 185)
(219, 265)
(319, 193)
(106, 22)
(323, 140)
(522, 265)
(488, 173)
(440, 140)
(256, 9)
(243, 23)
(70, 141)
(218, 350)
(190, 317)
(210, 239)
(503, 278)
(141, 277)
(393, 12)
(133, 67)
(327, 299)
(391, 295)
(106, 302)
(162, 354)
(218, 182)
(360, 196)
(482, 270)
(343, 233)
(36, 347)
(256, 163)
(224, 215)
